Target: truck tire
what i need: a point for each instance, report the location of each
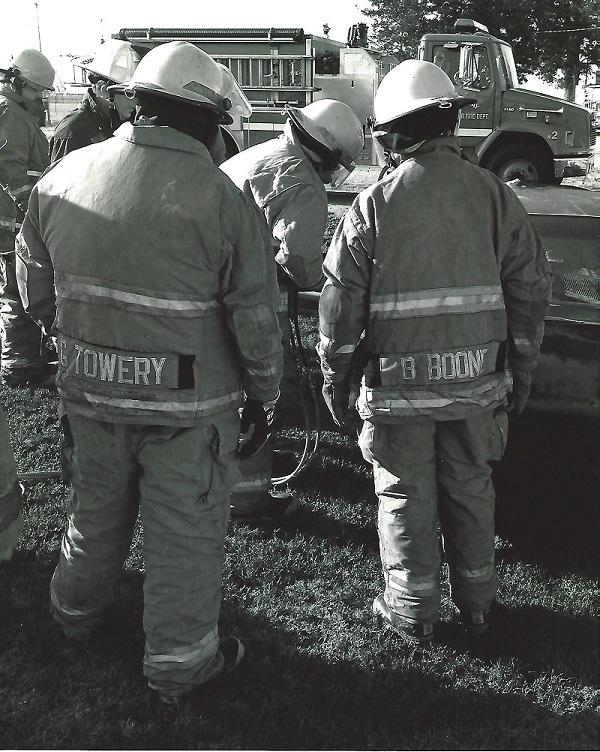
(523, 161)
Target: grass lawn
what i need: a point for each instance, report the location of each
(318, 674)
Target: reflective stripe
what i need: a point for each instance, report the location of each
(75, 288)
(191, 408)
(260, 483)
(433, 302)
(486, 571)
(77, 613)
(34, 173)
(12, 224)
(474, 131)
(406, 581)
(266, 371)
(327, 347)
(21, 189)
(524, 342)
(198, 652)
(482, 393)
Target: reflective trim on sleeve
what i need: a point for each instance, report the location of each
(258, 483)
(21, 189)
(12, 224)
(327, 347)
(85, 290)
(438, 301)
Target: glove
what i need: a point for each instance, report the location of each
(520, 392)
(337, 398)
(254, 430)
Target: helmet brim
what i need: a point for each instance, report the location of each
(130, 91)
(457, 101)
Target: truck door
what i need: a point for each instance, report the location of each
(468, 66)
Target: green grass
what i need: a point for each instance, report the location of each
(318, 675)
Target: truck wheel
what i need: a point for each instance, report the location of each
(526, 162)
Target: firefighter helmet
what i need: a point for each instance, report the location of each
(114, 61)
(333, 125)
(412, 86)
(231, 89)
(183, 72)
(33, 68)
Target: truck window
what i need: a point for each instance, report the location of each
(510, 69)
(474, 72)
(446, 59)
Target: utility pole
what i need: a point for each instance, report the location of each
(37, 16)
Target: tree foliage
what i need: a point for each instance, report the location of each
(538, 30)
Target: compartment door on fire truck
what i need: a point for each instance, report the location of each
(468, 66)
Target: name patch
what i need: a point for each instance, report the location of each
(99, 364)
(430, 367)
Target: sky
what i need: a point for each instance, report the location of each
(75, 26)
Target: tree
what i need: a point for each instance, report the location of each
(538, 30)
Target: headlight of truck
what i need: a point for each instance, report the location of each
(569, 138)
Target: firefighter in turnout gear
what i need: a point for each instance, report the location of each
(165, 317)
(23, 158)
(285, 178)
(11, 519)
(101, 111)
(436, 290)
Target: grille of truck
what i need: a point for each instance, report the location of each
(582, 285)
(592, 131)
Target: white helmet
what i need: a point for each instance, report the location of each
(33, 68)
(114, 61)
(182, 71)
(411, 86)
(331, 124)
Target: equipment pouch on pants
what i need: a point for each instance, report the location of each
(500, 437)
(222, 436)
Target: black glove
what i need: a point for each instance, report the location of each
(520, 392)
(337, 397)
(254, 429)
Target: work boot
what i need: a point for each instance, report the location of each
(412, 631)
(476, 623)
(233, 652)
(274, 507)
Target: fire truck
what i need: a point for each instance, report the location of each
(279, 66)
(512, 131)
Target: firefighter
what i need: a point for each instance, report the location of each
(165, 316)
(11, 519)
(431, 291)
(101, 111)
(23, 158)
(285, 178)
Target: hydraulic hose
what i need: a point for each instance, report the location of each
(312, 433)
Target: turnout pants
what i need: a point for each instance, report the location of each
(180, 479)
(22, 337)
(431, 475)
(11, 521)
